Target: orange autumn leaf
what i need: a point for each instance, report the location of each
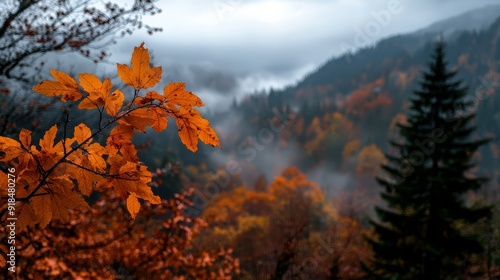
(177, 95)
(114, 102)
(84, 178)
(159, 119)
(138, 119)
(82, 133)
(133, 205)
(51, 152)
(97, 91)
(187, 133)
(86, 181)
(11, 149)
(42, 207)
(64, 85)
(95, 154)
(49, 149)
(191, 126)
(140, 75)
(63, 198)
(206, 134)
(25, 216)
(47, 142)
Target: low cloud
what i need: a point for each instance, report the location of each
(262, 44)
(203, 78)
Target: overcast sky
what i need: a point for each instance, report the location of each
(225, 48)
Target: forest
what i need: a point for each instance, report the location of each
(382, 163)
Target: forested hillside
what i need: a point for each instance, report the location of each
(338, 118)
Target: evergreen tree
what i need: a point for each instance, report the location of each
(418, 235)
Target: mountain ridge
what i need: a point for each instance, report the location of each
(475, 19)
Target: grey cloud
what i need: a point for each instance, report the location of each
(200, 78)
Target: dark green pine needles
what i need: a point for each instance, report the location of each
(419, 234)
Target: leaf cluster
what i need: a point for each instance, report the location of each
(52, 176)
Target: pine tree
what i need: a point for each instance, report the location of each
(418, 235)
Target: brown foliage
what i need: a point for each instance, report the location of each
(103, 242)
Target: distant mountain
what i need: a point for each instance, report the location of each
(451, 28)
(408, 49)
(476, 19)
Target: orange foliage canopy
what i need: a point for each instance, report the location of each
(369, 160)
(280, 229)
(101, 243)
(367, 100)
(51, 178)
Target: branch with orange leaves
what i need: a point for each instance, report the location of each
(51, 179)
